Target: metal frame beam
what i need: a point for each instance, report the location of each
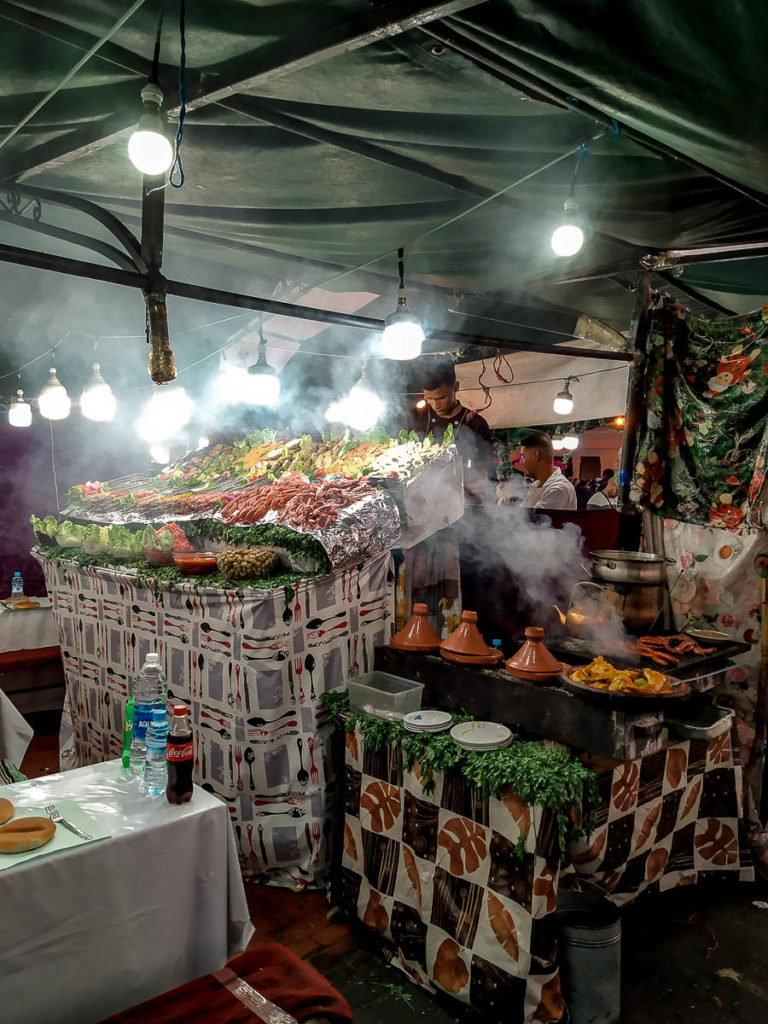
(218, 296)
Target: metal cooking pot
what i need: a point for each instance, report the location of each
(629, 567)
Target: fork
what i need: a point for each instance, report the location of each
(298, 668)
(53, 813)
(239, 760)
(314, 775)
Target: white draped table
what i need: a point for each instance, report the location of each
(95, 929)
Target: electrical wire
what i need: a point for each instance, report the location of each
(70, 74)
(177, 164)
(524, 383)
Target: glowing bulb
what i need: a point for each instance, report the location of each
(203, 441)
(264, 384)
(160, 453)
(568, 238)
(557, 442)
(165, 414)
(54, 402)
(563, 402)
(149, 149)
(619, 421)
(264, 389)
(233, 384)
(570, 442)
(403, 334)
(19, 411)
(361, 409)
(97, 401)
(422, 404)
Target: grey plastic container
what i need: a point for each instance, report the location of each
(384, 692)
(590, 957)
(703, 723)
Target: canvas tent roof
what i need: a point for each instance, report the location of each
(320, 137)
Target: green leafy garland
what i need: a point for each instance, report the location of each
(551, 777)
(268, 534)
(169, 577)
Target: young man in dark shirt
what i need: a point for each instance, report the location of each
(471, 433)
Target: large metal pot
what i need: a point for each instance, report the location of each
(629, 567)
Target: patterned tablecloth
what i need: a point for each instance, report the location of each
(251, 669)
(440, 878)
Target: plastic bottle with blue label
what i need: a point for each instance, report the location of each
(150, 691)
(17, 587)
(155, 768)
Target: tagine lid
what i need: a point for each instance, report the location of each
(417, 634)
(467, 640)
(533, 657)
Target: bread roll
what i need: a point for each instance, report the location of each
(6, 810)
(26, 834)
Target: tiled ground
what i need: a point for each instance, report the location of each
(695, 954)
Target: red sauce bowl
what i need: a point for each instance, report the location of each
(193, 563)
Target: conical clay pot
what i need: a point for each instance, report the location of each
(417, 634)
(467, 640)
(533, 661)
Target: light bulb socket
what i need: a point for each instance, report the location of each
(152, 96)
(261, 366)
(570, 206)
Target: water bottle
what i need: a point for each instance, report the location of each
(17, 587)
(155, 770)
(127, 734)
(149, 692)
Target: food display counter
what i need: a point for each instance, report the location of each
(461, 882)
(250, 665)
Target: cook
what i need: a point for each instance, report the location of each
(550, 488)
(471, 433)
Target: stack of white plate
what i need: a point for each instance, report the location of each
(481, 735)
(427, 721)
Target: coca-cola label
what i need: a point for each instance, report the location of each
(180, 751)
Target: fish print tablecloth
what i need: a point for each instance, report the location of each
(439, 876)
(251, 666)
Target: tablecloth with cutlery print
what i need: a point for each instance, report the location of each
(251, 666)
(461, 908)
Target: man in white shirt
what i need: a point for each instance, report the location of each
(550, 489)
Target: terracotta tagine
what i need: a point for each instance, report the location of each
(465, 644)
(533, 661)
(417, 634)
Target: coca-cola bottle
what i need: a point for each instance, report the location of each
(180, 757)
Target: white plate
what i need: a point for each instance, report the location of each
(481, 735)
(415, 728)
(713, 635)
(428, 719)
(45, 602)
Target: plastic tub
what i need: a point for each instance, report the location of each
(590, 957)
(381, 691)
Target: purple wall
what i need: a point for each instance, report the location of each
(83, 451)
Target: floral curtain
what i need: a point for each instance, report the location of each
(704, 441)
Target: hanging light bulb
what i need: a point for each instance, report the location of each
(97, 401)
(165, 414)
(202, 442)
(361, 409)
(160, 453)
(19, 411)
(557, 441)
(264, 385)
(54, 402)
(563, 403)
(568, 239)
(403, 334)
(149, 148)
(570, 441)
(233, 384)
